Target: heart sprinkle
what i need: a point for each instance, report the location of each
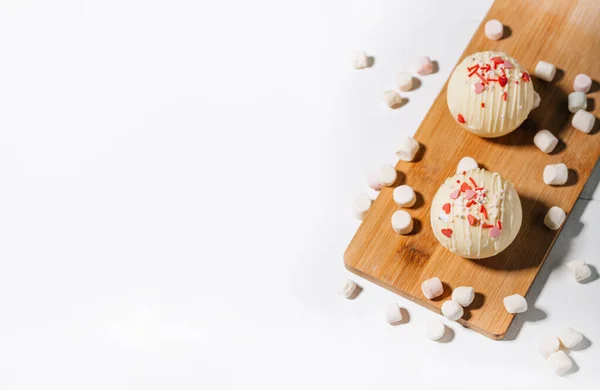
(446, 208)
(502, 81)
(460, 119)
(470, 194)
(455, 194)
(472, 220)
(495, 232)
(464, 187)
(478, 88)
(447, 232)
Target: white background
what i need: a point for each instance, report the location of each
(174, 201)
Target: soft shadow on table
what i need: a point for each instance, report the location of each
(574, 368)
(585, 343)
(448, 335)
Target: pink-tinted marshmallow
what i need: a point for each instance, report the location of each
(424, 65)
(494, 29)
(582, 83)
(373, 181)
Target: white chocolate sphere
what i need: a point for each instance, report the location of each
(476, 214)
(489, 94)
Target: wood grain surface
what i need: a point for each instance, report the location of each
(565, 33)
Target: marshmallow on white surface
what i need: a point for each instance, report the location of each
(463, 295)
(548, 345)
(545, 70)
(361, 205)
(577, 101)
(545, 141)
(386, 174)
(407, 149)
(404, 81)
(556, 174)
(373, 181)
(452, 310)
(361, 60)
(569, 337)
(581, 271)
(536, 100)
(424, 65)
(494, 29)
(583, 121)
(466, 164)
(560, 362)
(515, 304)
(404, 196)
(393, 315)
(402, 222)
(554, 218)
(392, 99)
(432, 288)
(348, 289)
(582, 83)
(435, 329)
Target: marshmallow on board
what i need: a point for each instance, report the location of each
(402, 222)
(515, 304)
(583, 121)
(386, 174)
(452, 310)
(407, 149)
(577, 101)
(582, 83)
(494, 29)
(463, 295)
(432, 288)
(545, 141)
(545, 71)
(556, 174)
(373, 181)
(554, 218)
(404, 196)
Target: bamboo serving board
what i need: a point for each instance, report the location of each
(565, 33)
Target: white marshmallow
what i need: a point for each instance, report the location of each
(583, 121)
(494, 29)
(361, 60)
(452, 310)
(554, 218)
(404, 81)
(560, 362)
(404, 196)
(424, 65)
(582, 83)
(545, 70)
(387, 175)
(402, 222)
(435, 329)
(545, 141)
(569, 337)
(548, 345)
(407, 149)
(392, 99)
(581, 271)
(348, 289)
(361, 205)
(432, 288)
(556, 174)
(463, 295)
(536, 100)
(466, 164)
(373, 181)
(393, 315)
(515, 304)
(577, 101)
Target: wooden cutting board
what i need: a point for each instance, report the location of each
(563, 32)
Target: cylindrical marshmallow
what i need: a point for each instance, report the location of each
(392, 99)
(404, 196)
(556, 174)
(348, 289)
(515, 304)
(548, 345)
(583, 121)
(466, 164)
(554, 218)
(361, 205)
(581, 271)
(463, 295)
(545, 141)
(360, 60)
(569, 337)
(435, 329)
(373, 181)
(387, 175)
(536, 100)
(423, 65)
(577, 101)
(582, 83)
(402, 222)
(393, 315)
(452, 310)
(560, 362)
(432, 288)
(407, 149)
(404, 81)
(494, 29)
(545, 70)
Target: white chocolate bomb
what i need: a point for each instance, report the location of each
(476, 214)
(490, 94)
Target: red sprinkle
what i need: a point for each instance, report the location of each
(503, 72)
(470, 68)
(472, 220)
(525, 76)
(486, 68)
(497, 60)
(504, 96)
(446, 208)
(482, 105)
(471, 202)
(460, 118)
(502, 81)
(483, 80)
(483, 211)
(464, 173)
(464, 187)
(473, 181)
(458, 181)
(447, 232)
(499, 225)
(492, 79)
(487, 226)
(516, 82)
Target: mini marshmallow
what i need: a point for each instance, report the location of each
(402, 222)
(554, 218)
(404, 196)
(435, 330)
(536, 100)
(452, 310)
(577, 101)
(545, 141)
(424, 65)
(466, 164)
(392, 99)
(583, 121)
(556, 174)
(548, 345)
(570, 337)
(408, 148)
(373, 181)
(560, 362)
(393, 315)
(581, 271)
(545, 70)
(348, 289)
(432, 288)
(361, 205)
(387, 175)
(404, 81)
(463, 295)
(582, 83)
(515, 304)
(361, 60)
(494, 29)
